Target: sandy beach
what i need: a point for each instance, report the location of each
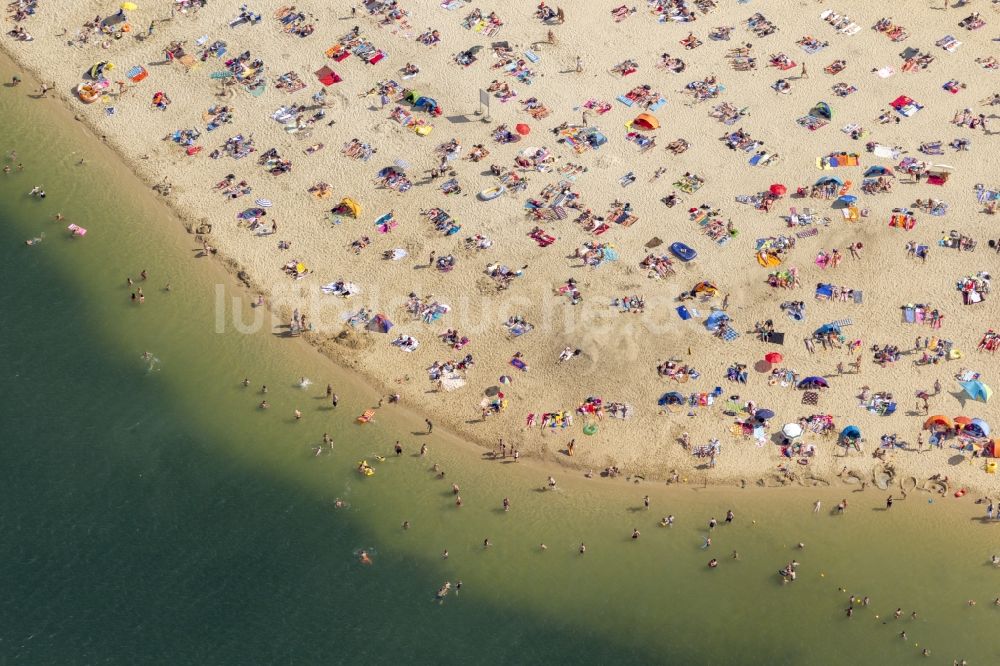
(551, 179)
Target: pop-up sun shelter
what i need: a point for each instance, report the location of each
(672, 398)
(645, 121)
(97, 71)
(380, 324)
(348, 206)
(327, 76)
(977, 390)
(822, 110)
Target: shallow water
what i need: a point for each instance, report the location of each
(154, 516)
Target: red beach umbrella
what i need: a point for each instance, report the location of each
(774, 357)
(522, 129)
(778, 189)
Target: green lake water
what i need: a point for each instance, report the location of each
(152, 514)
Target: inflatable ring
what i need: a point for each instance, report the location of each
(589, 429)
(126, 27)
(118, 35)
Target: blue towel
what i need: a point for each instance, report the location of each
(532, 56)
(659, 103)
(625, 100)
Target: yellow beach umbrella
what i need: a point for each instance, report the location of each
(129, 6)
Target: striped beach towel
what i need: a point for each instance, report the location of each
(843, 322)
(807, 233)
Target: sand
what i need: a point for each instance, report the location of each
(620, 351)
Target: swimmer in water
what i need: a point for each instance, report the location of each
(298, 415)
(263, 404)
(304, 382)
(583, 548)
(338, 503)
(363, 557)
(707, 544)
(635, 533)
(444, 590)
(406, 524)
(147, 355)
(712, 563)
(246, 382)
(552, 483)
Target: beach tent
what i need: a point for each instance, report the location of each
(830, 179)
(716, 319)
(822, 110)
(813, 382)
(645, 121)
(977, 390)
(347, 206)
(961, 420)
(425, 103)
(97, 71)
(877, 170)
(851, 432)
(826, 329)
(705, 288)
(672, 398)
(937, 420)
(412, 96)
(763, 414)
(327, 76)
(380, 324)
(978, 427)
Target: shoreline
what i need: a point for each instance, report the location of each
(539, 447)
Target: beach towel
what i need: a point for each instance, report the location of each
(519, 364)
(843, 322)
(859, 296)
(810, 398)
(807, 233)
(683, 313)
(730, 334)
(532, 56)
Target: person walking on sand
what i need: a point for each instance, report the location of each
(805, 73)
(817, 505)
(579, 65)
(430, 426)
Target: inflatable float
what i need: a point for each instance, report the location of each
(589, 429)
(492, 193)
(89, 92)
(682, 251)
